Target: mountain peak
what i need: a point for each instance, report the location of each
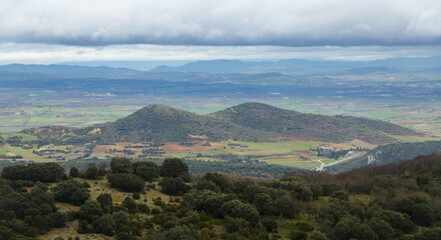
(159, 109)
(257, 106)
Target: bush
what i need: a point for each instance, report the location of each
(136, 195)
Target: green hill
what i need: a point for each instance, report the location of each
(311, 126)
(390, 153)
(246, 122)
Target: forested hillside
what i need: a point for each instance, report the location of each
(312, 126)
(141, 200)
(248, 122)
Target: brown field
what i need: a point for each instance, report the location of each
(288, 139)
(174, 147)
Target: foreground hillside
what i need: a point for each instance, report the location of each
(248, 122)
(141, 200)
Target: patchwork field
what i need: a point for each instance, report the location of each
(50, 108)
(299, 153)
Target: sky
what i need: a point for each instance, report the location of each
(48, 31)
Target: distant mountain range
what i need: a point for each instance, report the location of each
(298, 66)
(247, 122)
(66, 71)
(289, 66)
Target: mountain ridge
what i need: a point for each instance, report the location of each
(251, 121)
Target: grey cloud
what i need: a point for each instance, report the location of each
(222, 22)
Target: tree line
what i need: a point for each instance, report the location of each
(398, 201)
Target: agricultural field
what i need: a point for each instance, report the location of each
(288, 153)
(49, 108)
(299, 153)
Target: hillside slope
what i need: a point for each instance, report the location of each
(247, 122)
(311, 126)
(390, 153)
(156, 123)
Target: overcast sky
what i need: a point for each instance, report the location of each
(79, 30)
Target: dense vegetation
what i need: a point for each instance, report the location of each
(395, 201)
(248, 122)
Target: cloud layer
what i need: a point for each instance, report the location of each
(222, 22)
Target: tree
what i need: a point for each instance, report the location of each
(179, 233)
(120, 165)
(126, 182)
(429, 234)
(173, 167)
(130, 205)
(208, 185)
(219, 179)
(383, 230)
(105, 225)
(204, 200)
(57, 219)
(423, 214)
(148, 173)
(79, 196)
(71, 191)
(42, 172)
(317, 235)
(286, 207)
(238, 209)
(349, 227)
(73, 172)
(122, 221)
(5, 233)
(173, 186)
(90, 211)
(264, 203)
(270, 224)
(16, 172)
(396, 220)
(235, 224)
(105, 199)
(342, 195)
(298, 235)
(92, 172)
